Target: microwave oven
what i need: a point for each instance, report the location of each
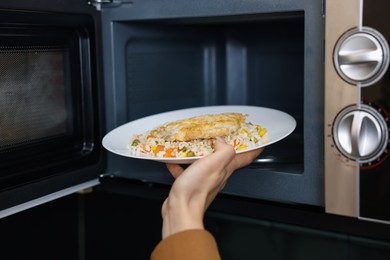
(71, 72)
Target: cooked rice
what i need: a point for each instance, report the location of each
(248, 136)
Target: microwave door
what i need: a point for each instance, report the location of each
(50, 102)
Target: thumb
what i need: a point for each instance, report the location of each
(224, 150)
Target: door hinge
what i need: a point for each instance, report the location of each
(98, 4)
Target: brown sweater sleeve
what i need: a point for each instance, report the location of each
(197, 244)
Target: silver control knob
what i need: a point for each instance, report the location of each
(362, 56)
(361, 134)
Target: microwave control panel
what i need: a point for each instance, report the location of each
(357, 110)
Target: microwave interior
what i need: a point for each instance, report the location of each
(162, 65)
(47, 125)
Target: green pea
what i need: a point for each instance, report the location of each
(135, 142)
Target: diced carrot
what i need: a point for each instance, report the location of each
(157, 149)
(171, 152)
(236, 142)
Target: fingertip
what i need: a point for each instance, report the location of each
(171, 167)
(174, 169)
(221, 145)
(244, 159)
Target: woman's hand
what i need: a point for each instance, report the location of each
(196, 187)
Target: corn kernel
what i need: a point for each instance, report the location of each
(244, 131)
(242, 147)
(262, 132)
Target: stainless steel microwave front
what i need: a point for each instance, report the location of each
(356, 109)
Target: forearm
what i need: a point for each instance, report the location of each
(180, 216)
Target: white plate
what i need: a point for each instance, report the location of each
(278, 124)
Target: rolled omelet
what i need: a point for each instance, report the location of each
(200, 127)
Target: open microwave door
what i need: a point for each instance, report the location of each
(50, 120)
